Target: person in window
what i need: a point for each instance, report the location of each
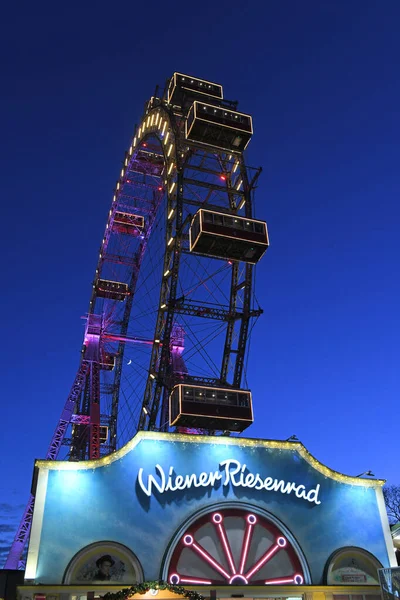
(104, 564)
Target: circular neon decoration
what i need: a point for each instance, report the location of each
(188, 540)
(281, 542)
(217, 518)
(236, 547)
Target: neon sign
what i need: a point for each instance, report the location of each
(230, 472)
(241, 568)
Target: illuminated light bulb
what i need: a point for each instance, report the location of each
(172, 187)
(167, 272)
(171, 212)
(160, 188)
(122, 173)
(140, 132)
(239, 184)
(118, 185)
(156, 121)
(166, 138)
(163, 306)
(134, 141)
(171, 166)
(114, 198)
(152, 376)
(152, 119)
(222, 177)
(164, 126)
(242, 203)
(170, 241)
(156, 341)
(235, 166)
(144, 145)
(170, 149)
(131, 150)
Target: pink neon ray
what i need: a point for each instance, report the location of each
(262, 561)
(225, 543)
(195, 581)
(210, 559)
(247, 538)
(279, 581)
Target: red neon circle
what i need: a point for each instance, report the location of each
(188, 540)
(217, 518)
(281, 542)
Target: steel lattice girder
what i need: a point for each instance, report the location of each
(191, 189)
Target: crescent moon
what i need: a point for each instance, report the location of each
(130, 361)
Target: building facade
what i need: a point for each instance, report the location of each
(246, 518)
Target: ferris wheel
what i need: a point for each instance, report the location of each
(171, 306)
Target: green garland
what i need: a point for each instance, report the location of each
(146, 586)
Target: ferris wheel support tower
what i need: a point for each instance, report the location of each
(183, 175)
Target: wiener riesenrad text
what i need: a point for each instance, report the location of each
(230, 472)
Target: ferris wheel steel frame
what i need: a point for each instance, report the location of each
(191, 175)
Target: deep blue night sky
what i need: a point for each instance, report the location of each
(320, 78)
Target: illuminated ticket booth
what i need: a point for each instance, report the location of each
(218, 516)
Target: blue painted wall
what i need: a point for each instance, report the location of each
(106, 503)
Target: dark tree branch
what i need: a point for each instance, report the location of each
(391, 494)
